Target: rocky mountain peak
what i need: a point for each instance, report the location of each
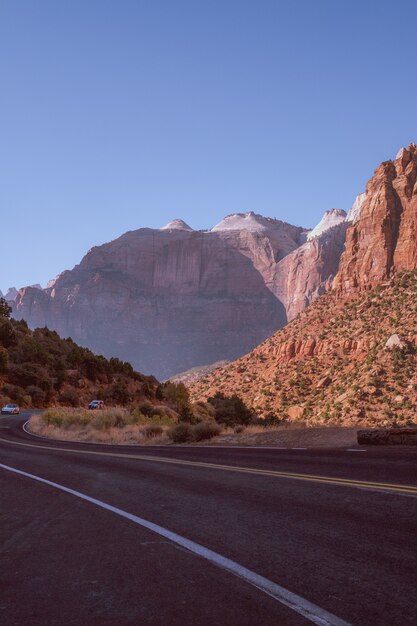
(405, 155)
(247, 221)
(354, 212)
(177, 224)
(331, 218)
(383, 241)
(11, 294)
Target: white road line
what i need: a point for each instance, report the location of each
(303, 607)
(355, 450)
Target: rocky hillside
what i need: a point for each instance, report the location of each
(343, 360)
(333, 362)
(171, 299)
(38, 368)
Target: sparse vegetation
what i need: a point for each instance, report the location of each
(348, 377)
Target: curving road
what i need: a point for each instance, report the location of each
(205, 535)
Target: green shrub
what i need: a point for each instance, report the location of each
(8, 336)
(181, 433)
(231, 410)
(53, 418)
(153, 430)
(70, 397)
(37, 395)
(203, 411)
(4, 361)
(177, 397)
(205, 430)
(110, 418)
(146, 408)
(5, 309)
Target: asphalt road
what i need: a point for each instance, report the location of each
(336, 529)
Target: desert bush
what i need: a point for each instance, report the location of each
(157, 414)
(202, 411)
(8, 336)
(13, 392)
(205, 430)
(231, 410)
(36, 394)
(181, 433)
(110, 418)
(70, 397)
(53, 417)
(120, 393)
(146, 408)
(153, 430)
(178, 398)
(66, 417)
(4, 361)
(5, 309)
(271, 419)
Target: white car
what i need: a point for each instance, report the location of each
(96, 404)
(10, 409)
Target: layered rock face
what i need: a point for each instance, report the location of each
(171, 299)
(383, 241)
(308, 272)
(168, 299)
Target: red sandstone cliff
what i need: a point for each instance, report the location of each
(384, 240)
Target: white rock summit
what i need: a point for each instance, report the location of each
(330, 218)
(354, 212)
(177, 224)
(246, 221)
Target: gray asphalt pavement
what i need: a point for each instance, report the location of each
(335, 527)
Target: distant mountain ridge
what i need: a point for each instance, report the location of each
(171, 299)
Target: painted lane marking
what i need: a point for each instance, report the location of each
(310, 611)
(355, 450)
(328, 480)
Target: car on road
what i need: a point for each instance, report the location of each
(96, 404)
(10, 409)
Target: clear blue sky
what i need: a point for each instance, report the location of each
(118, 114)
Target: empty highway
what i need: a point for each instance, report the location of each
(96, 534)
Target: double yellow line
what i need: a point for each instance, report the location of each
(327, 480)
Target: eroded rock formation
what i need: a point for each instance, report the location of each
(383, 241)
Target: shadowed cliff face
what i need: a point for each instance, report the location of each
(308, 272)
(165, 301)
(171, 299)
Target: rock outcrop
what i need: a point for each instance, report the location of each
(331, 218)
(11, 294)
(308, 271)
(383, 241)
